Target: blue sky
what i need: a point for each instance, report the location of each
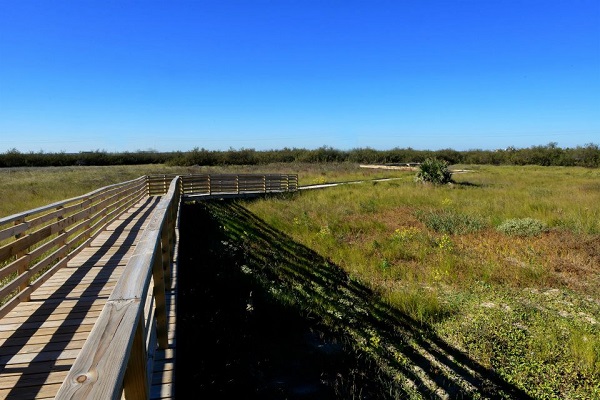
(173, 75)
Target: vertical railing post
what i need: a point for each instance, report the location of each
(209, 188)
(158, 275)
(264, 183)
(135, 384)
(23, 268)
(165, 248)
(237, 184)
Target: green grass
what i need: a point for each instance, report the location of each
(526, 306)
(27, 188)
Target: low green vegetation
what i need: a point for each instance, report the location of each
(522, 227)
(503, 265)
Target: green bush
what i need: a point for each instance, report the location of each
(435, 171)
(522, 227)
(450, 222)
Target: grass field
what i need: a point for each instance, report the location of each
(27, 188)
(499, 271)
(525, 304)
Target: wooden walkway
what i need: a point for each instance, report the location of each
(40, 339)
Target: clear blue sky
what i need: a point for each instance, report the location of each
(173, 75)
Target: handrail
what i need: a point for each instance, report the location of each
(35, 244)
(117, 355)
(218, 184)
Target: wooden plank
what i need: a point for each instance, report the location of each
(48, 310)
(45, 324)
(44, 356)
(38, 348)
(38, 392)
(13, 345)
(26, 378)
(46, 333)
(55, 315)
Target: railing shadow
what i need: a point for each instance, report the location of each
(28, 385)
(401, 357)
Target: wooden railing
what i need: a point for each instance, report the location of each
(35, 244)
(117, 357)
(220, 184)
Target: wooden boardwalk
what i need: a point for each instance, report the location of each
(40, 339)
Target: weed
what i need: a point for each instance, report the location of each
(448, 221)
(405, 233)
(522, 227)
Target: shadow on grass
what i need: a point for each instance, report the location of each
(262, 316)
(467, 184)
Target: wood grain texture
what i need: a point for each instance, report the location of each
(115, 358)
(41, 339)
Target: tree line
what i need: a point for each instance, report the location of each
(545, 155)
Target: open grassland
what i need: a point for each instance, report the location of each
(30, 187)
(525, 306)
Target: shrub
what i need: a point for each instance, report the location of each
(522, 227)
(435, 171)
(450, 222)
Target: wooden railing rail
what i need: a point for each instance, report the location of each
(117, 357)
(35, 244)
(214, 184)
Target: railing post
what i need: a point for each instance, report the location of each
(22, 269)
(135, 384)
(165, 248)
(237, 184)
(209, 188)
(158, 275)
(264, 183)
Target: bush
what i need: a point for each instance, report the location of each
(522, 227)
(450, 222)
(435, 171)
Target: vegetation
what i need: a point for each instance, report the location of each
(25, 188)
(435, 171)
(522, 301)
(545, 155)
(522, 227)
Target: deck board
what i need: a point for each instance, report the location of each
(40, 339)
